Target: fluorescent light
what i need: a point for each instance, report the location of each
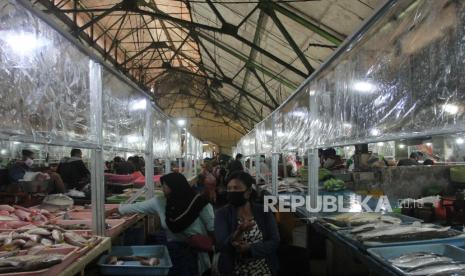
(364, 86)
(380, 144)
(347, 125)
(138, 105)
(205, 144)
(132, 139)
(298, 113)
(401, 146)
(16, 143)
(181, 122)
(451, 108)
(375, 132)
(312, 92)
(429, 144)
(152, 90)
(23, 43)
(459, 141)
(269, 132)
(3, 151)
(281, 134)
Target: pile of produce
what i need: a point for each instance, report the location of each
(143, 260)
(334, 184)
(32, 237)
(358, 219)
(324, 174)
(15, 262)
(427, 263)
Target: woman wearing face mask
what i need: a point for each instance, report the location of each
(183, 214)
(246, 236)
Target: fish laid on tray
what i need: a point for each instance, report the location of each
(19, 263)
(427, 263)
(399, 233)
(358, 219)
(12, 217)
(33, 237)
(143, 260)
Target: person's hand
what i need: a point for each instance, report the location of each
(242, 228)
(241, 246)
(110, 212)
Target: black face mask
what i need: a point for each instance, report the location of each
(236, 199)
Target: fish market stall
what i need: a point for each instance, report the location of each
(50, 105)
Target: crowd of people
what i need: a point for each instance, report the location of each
(239, 238)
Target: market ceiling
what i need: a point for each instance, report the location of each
(222, 65)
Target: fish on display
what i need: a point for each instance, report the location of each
(435, 269)
(143, 260)
(29, 262)
(411, 256)
(458, 272)
(405, 232)
(358, 219)
(57, 236)
(420, 262)
(74, 239)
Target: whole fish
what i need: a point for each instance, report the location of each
(23, 215)
(401, 232)
(419, 262)
(150, 262)
(459, 272)
(57, 236)
(39, 231)
(29, 244)
(7, 218)
(7, 208)
(51, 227)
(411, 256)
(437, 269)
(45, 262)
(74, 239)
(46, 242)
(367, 227)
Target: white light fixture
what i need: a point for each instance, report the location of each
(3, 151)
(375, 132)
(429, 144)
(16, 143)
(23, 43)
(401, 146)
(205, 144)
(347, 125)
(380, 144)
(364, 86)
(450, 108)
(269, 132)
(280, 134)
(298, 113)
(181, 122)
(138, 105)
(312, 92)
(132, 139)
(459, 141)
(152, 90)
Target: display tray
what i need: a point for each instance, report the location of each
(326, 218)
(115, 226)
(383, 254)
(70, 255)
(134, 267)
(458, 240)
(116, 199)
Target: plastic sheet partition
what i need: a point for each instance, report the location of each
(123, 114)
(160, 143)
(45, 95)
(404, 77)
(175, 142)
(295, 122)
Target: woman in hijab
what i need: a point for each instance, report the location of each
(184, 215)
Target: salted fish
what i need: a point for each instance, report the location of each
(419, 262)
(411, 256)
(458, 272)
(436, 269)
(399, 230)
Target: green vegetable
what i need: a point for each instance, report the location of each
(324, 174)
(334, 184)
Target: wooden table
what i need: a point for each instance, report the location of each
(80, 264)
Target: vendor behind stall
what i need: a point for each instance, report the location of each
(412, 161)
(188, 220)
(331, 160)
(121, 166)
(73, 171)
(21, 171)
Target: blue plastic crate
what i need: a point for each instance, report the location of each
(134, 267)
(383, 254)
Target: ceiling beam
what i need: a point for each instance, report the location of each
(262, 83)
(290, 40)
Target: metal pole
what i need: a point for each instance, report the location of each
(274, 158)
(148, 135)
(168, 142)
(257, 168)
(97, 169)
(313, 166)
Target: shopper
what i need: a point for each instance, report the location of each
(331, 160)
(73, 171)
(412, 161)
(247, 238)
(121, 166)
(208, 182)
(236, 165)
(22, 171)
(186, 217)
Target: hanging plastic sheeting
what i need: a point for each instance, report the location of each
(45, 96)
(402, 78)
(295, 122)
(175, 142)
(160, 144)
(249, 144)
(264, 137)
(123, 114)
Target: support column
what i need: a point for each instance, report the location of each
(97, 162)
(168, 143)
(148, 135)
(313, 166)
